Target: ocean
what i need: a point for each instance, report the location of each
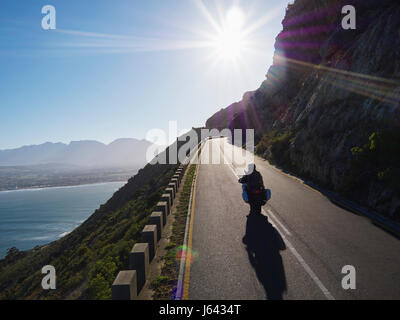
(38, 216)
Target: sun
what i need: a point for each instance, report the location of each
(230, 40)
(232, 34)
(235, 18)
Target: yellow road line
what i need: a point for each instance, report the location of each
(186, 281)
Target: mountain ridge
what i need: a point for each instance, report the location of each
(123, 152)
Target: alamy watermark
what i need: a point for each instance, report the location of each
(349, 280)
(49, 281)
(349, 21)
(49, 20)
(236, 148)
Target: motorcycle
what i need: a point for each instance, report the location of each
(245, 195)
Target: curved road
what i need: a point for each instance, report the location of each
(296, 251)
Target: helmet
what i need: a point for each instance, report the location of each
(250, 168)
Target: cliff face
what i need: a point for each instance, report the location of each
(330, 106)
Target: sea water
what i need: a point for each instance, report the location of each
(38, 216)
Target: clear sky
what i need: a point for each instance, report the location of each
(116, 69)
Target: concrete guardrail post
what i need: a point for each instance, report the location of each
(172, 185)
(176, 181)
(125, 286)
(163, 207)
(171, 192)
(139, 261)
(180, 174)
(129, 283)
(157, 218)
(149, 235)
(168, 199)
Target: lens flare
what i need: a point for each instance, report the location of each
(183, 252)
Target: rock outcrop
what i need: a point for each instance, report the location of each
(334, 95)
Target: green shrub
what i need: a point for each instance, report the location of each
(160, 280)
(278, 145)
(101, 278)
(378, 159)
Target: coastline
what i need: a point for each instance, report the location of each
(37, 188)
(38, 218)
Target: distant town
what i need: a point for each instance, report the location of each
(33, 177)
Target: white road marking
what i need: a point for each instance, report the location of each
(277, 220)
(307, 268)
(269, 211)
(297, 255)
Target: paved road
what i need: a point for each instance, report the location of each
(298, 252)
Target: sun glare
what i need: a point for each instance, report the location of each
(230, 41)
(233, 37)
(235, 19)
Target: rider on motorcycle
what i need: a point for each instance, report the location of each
(255, 188)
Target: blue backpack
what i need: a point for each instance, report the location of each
(246, 196)
(244, 193)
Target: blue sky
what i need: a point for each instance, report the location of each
(115, 69)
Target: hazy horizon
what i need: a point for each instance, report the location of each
(120, 153)
(72, 141)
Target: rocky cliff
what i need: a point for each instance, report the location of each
(329, 109)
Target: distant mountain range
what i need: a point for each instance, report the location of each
(121, 153)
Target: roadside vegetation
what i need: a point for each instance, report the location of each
(164, 286)
(378, 159)
(373, 168)
(274, 146)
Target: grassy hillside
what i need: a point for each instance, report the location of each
(87, 259)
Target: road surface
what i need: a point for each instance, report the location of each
(296, 252)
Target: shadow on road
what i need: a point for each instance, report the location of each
(264, 244)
